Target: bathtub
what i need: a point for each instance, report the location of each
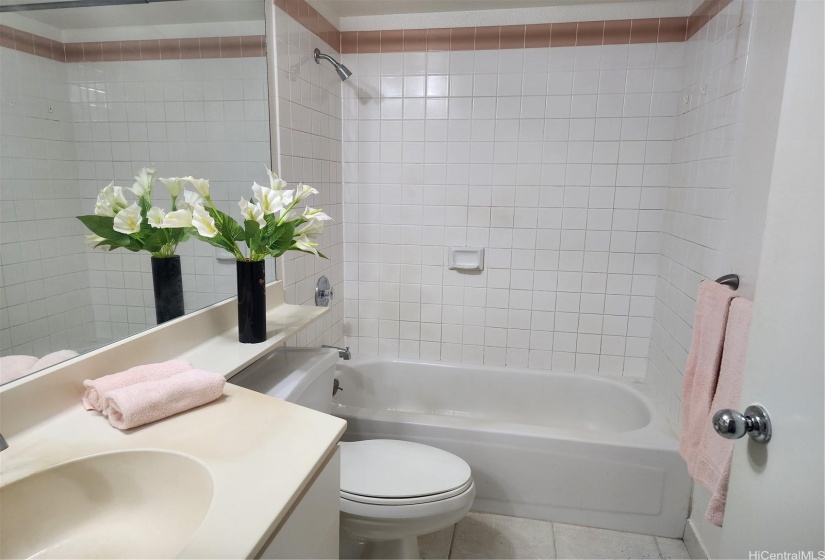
(567, 447)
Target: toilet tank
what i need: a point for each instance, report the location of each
(303, 376)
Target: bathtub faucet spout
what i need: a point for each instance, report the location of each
(342, 352)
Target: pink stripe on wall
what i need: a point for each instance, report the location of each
(155, 49)
(584, 33)
(306, 15)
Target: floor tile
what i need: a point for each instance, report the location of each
(436, 546)
(483, 535)
(586, 542)
(673, 549)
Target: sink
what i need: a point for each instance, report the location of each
(129, 504)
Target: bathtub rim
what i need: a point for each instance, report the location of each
(656, 434)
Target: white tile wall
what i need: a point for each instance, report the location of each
(696, 211)
(309, 131)
(207, 118)
(45, 301)
(555, 160)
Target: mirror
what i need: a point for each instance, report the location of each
(90, 95)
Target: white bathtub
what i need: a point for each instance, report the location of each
(573, 448)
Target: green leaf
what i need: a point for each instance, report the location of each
(104, 227)
(154, 240)
(281, 239)
(226, 225)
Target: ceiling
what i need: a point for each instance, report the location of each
(154, 13)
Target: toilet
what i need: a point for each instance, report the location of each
(392, 491)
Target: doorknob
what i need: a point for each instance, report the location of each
(732, 424)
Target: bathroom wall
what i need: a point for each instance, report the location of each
(701, 179)
(717, 199)
(554, 159)
(309, 149)
(45, 301)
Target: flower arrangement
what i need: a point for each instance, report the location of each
(271, 224)
(139, 226)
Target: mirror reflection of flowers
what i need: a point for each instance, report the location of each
(139, 226)
(272, 225)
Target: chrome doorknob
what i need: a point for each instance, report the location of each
(732, 424)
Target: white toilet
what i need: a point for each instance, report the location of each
(391, 491)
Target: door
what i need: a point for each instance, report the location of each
(776, 495)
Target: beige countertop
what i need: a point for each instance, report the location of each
(261, 452)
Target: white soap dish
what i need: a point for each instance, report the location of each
(466, 258)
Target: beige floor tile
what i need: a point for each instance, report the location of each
(436, 546)
(483, 535)
(673, 549)
(586, 542)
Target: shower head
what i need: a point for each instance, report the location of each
(342, 70)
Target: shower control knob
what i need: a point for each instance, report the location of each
(732, 424)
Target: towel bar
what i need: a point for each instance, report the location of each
(730, 280)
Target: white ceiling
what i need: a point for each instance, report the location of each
(154, 13)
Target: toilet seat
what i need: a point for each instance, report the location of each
(394, 472)
(406, 501)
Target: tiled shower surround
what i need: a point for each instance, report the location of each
(697, 209)
(309, 147)
(556, 160)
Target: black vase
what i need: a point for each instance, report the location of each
(251, 301)
(168, 285)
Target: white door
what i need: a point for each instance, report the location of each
(775, 502)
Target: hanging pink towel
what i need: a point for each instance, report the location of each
(92, 398)
(712, 468)
(142, 403)
(702, 366)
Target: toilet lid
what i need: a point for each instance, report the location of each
(385, 468)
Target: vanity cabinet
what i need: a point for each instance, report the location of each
(311, 527)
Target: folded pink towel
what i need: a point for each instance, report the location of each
(92, 398)
(712, 467)
(15, 367)
(702, 366)
(54, 358)
(142, 403)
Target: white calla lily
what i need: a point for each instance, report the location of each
(275, 182)
(94, 241)
(178, 219)
(174, 184)
(270, 200)
(201, 185)
(303, 243)
(154, 217)
(128, 220)
(203, 222)
(144, 181)
(252, 212)
(110, 201)
(315, 214)
(190, 200)
(303, 191)
(312, 229)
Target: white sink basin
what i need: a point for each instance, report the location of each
(128, 504)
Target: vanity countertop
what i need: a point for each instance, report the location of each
(261, 452)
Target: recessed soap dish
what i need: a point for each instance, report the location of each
(466, 258)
